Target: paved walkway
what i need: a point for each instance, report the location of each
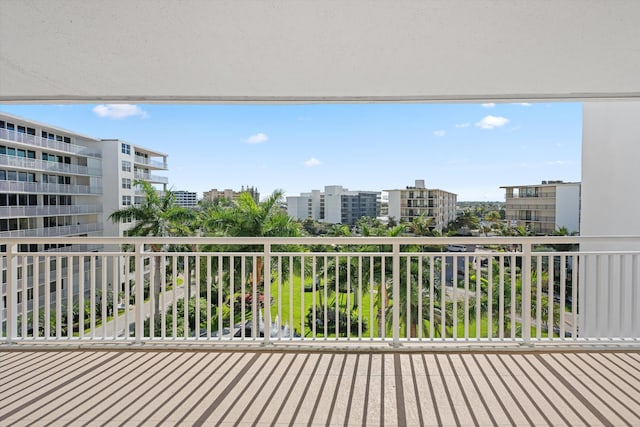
(297, 388)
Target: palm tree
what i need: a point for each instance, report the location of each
(157, 216)
(246, 218)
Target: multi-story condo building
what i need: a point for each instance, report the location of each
(186, 199)
(50, 181)
(54, 182)
(412, 202)
(545, 207)
(336, 205)
(124, 164)
(215, 194)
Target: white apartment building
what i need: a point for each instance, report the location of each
(336, 205)
(59, 183)
(124, 163)
(51, 181)
(186, 199)
(545, 207)
(412, 202)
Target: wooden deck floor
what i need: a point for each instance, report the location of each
(295, 388)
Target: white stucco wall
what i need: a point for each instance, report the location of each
(297, 207)
(394, 204)
(611, 169)
(333, 204)
(568, 207)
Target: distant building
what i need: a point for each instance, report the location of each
(215, 194)
(336, 205)
(412, 202)
(545, 207)
(186, 199)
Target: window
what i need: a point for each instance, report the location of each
(126, 149)
(126, 166)
(126, 183)
(126, 200)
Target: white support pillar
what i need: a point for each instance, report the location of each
(610, 203)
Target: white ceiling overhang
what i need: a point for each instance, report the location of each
(318, 51)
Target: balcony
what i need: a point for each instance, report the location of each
(29, 211)
(43, 187)
(49, 144)
(151, 178)
(156, 164)
(65, 230)
(47, 166)
(462, 364)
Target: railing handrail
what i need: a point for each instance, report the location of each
(51, 144)
(531, 293)
(423, 241)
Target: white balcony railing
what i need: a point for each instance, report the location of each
(151, 178)
(338, 291)
(50, 144)
(47, 166)
(49, 210)
(150, 162)
(59, 231)
(43, 187)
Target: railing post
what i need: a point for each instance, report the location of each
(526, 293)
(267, 293)
(139, 257)
(12, 293)
(396, 295)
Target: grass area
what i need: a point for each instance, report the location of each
(296, 302)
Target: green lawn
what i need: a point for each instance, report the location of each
(288, 305)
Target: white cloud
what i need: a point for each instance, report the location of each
(312, 162)
(440, 132)
(463, 125)
(524, 104)
(558, 163)
(257, 138)
(489, 105)
(119, 111)
(491, 122)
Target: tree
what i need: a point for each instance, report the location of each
(246, 218)
(157, 216)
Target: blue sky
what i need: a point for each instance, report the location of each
(468, 149)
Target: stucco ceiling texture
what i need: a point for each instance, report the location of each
(286, 50)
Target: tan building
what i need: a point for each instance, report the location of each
(228, 194)
(545, 207)
(412, 202)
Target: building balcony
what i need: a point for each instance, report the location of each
(31, 211)
(155, 179)
(46, 166)
(49, 144)
(43, 187)
(513, 331)
(155, 164)
(61, 231)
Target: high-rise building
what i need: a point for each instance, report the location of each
(414, 201)
(336, 205)
(59, 183)
(51, 181)
(186, 199)
(545, 207)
